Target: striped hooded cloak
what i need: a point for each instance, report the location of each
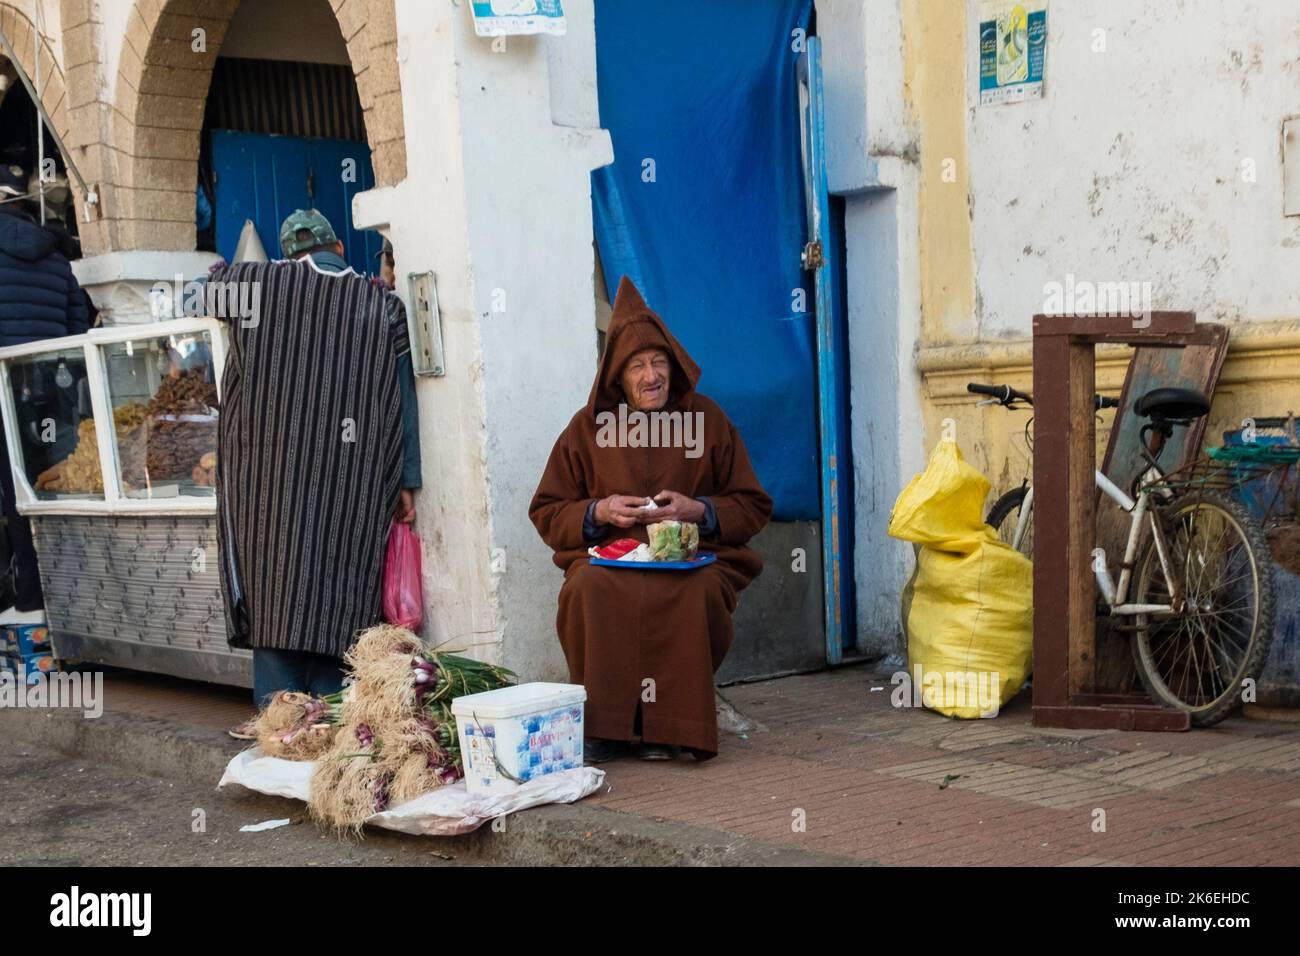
(309, 455)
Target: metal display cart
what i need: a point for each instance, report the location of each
(112, 440)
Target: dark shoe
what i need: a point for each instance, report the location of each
(659, 752)
(598, 750)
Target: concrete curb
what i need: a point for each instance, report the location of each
(558, 835)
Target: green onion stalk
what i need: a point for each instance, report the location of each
(439, 679)
(327, 709)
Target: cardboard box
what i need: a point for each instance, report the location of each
(26, 639)
(35, 665)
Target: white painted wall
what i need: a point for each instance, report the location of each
(1129, 170)
(871, 161)
(1130, 167)
(425, 216)
(497, 202)
(530, 234)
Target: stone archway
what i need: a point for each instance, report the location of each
(162, 88)
(53, 91)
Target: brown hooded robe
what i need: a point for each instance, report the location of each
(620, 627)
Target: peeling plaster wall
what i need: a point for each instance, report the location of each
(501, 139)
(1153, 158)
(425, 217)
(528, 190)
(1131, 167)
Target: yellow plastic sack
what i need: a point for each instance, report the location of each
(968, 610)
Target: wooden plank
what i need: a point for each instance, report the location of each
(1065, 521)
(1197, 365)
(1051, 496)
(1081, 463)
(1101, 328)
(1080, 717)
(1113, 700)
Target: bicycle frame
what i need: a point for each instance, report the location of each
(1116, 595)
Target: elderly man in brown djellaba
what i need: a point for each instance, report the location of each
(647, 642)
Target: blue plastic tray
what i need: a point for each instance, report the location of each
(700, 561)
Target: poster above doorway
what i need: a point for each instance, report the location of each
(1012, 50)
(516, 17)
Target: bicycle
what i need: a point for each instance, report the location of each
(1201, 615)
(1012, 513)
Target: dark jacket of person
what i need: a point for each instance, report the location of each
(39, 296)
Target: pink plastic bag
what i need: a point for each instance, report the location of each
(403, 596)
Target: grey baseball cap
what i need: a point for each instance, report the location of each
(322, 233)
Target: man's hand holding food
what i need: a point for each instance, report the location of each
(623, 511)
(675, 506)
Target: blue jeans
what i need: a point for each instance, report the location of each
(276, 670)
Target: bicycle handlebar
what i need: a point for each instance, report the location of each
(1008, 396)
(1003, 393)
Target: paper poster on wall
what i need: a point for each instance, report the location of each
(1013, 48)
(514, 17)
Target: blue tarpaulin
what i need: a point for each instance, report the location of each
(703, 208)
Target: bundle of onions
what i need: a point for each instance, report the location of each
(296, 726)
(397, 736)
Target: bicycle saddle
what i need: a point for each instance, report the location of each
(1173, 404)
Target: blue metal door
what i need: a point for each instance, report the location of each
(823, 257)
(264, 178)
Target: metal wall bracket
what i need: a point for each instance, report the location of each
(426, 325)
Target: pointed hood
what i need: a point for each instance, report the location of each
(634, 327)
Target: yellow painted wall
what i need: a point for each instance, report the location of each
(1260, 377)
(934, 86)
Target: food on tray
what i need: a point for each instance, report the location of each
(673, 540)
(616, 549)
(669, 541)
(624, 549)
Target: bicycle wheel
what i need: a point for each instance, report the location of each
(1004, 515)
(1196, 658)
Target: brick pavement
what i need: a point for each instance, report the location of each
(866, 779)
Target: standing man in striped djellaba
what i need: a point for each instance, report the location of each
(318, 452)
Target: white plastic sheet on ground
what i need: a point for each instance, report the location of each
(446, 811)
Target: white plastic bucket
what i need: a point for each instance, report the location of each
(516, 734)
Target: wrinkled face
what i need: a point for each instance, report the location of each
(645, 379)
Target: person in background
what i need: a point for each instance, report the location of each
(315, 458)
(39, 299)
(387, 275)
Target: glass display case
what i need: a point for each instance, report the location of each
(163, 393)
(112, 439)
(158, 386)
(53, 425)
